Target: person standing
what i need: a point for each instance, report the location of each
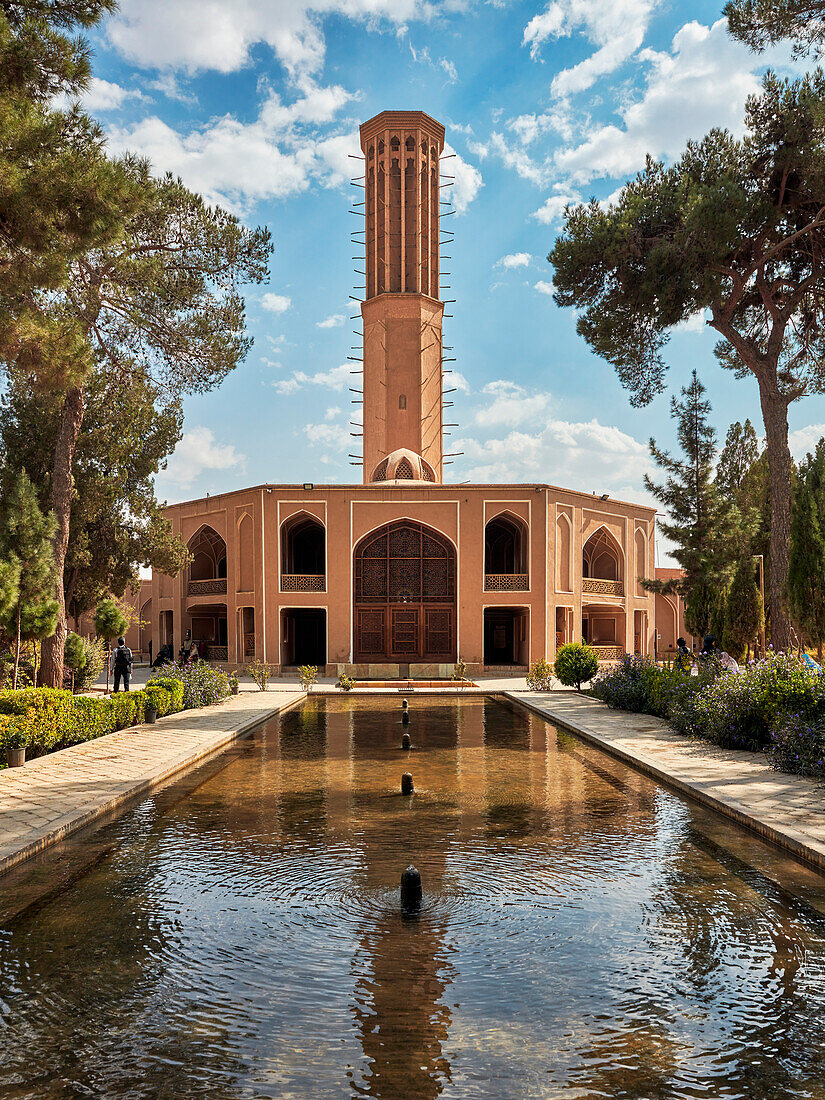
(121, 664)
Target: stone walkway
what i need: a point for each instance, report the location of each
(54, 795)
(788, 810)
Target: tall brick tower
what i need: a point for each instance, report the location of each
(402, 312)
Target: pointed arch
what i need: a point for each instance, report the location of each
(303, 545)
(245, 542)
(208, 553)
(640, 546)
(505, 544)
(602, 556)
(564, 553)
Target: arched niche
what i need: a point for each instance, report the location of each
(246, 553)
(602, 557)
(641, 560)
(564, 543)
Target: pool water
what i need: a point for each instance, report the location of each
(584, 932)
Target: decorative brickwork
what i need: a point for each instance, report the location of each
(506, 582)
(207, 588)
(303, 582)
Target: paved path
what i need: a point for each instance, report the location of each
(54, 795)
(786, 809)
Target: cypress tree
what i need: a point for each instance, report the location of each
(806, 571)
(27, 537)
(701, 523)
(744, 613)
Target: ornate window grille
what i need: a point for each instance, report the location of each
(303, 582)
(215, 587)
(593, 586)
(506, 582)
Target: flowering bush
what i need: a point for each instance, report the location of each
(197, 683)
(638, 684)
(739, 710)
(798, 745)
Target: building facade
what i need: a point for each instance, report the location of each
(403, 574)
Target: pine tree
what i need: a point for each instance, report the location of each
(701, 523)
(744, 613)
(27, 538)
(806, 571)
(738, 455)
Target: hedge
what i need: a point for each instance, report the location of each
(45, 719)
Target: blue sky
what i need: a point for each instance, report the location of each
(256, 104)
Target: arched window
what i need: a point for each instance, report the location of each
(208, 551)
(246, 554)
(303, 550)
(601, 557)
(505, 546)
(641, 563)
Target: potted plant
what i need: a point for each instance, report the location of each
(14, 742)
(150, 712)
(346, 683)
(234, 683)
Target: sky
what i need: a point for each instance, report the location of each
(256, 104)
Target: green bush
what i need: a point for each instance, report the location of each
(90, 718)
(575, 664)
(202, 685)
(140, 699)
(174, 687)
(739, 710)
(124, 706)
(540, 676)
(159, 697)
(45, 714)
(638, 684)
(94, 661)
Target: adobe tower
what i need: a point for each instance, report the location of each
(402, 312)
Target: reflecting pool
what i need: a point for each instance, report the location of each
(584, 933)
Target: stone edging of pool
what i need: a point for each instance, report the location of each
(55, 795)
(787, 810)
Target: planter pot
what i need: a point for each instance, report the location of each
(150, 715)
(15, 758)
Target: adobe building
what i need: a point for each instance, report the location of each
(404, 574)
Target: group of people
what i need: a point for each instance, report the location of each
(685, 658)
(189, 651)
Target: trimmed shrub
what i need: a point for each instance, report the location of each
(173, 686)
(140, 699)
(159, 696)
(124, 706)
(46, 713)
(575, 664)
(540, 676)
(798, 745)
(90, 718)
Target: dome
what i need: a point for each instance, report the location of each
(403, 465)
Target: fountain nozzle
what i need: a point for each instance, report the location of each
(406, 743)
(410, 888)
(407, 783)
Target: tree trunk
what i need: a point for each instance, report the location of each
(775, 417)
(51, 667)
(17, 647)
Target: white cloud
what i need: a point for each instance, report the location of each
(194, 35)
(102, 95)
(545, 288)
(617, 28)
(333, 321)
(509, 404)
(803, 441)
(335, 379)
(702, 82)
(276, 303)
(697, 322)
(589, 456)
(198, 451)
(467, 182)
(514, 259)
(553, 208)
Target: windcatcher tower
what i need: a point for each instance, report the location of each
(402, 313)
